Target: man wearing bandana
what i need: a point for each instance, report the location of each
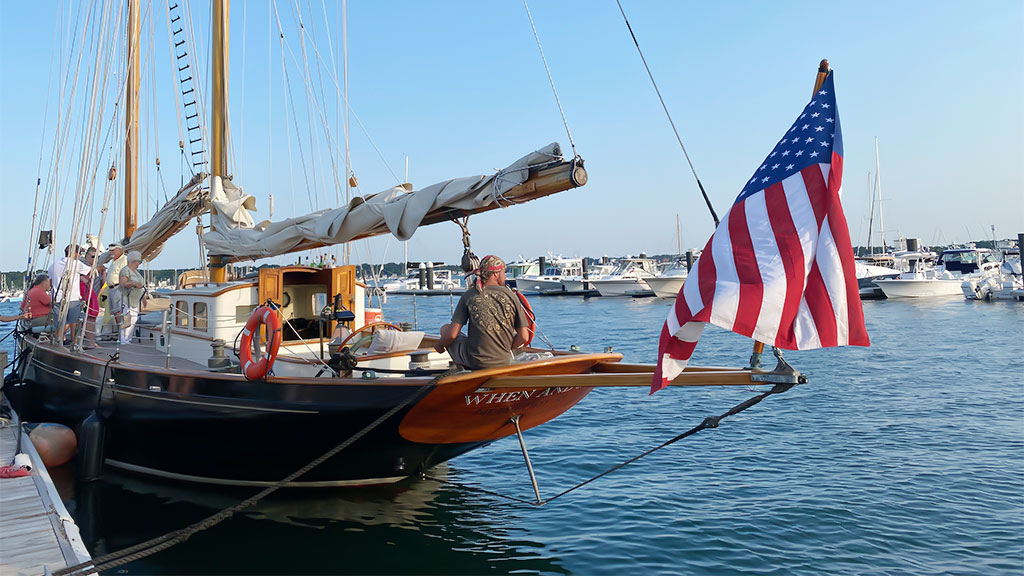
(497, 321)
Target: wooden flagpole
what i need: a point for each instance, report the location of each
(823, 68)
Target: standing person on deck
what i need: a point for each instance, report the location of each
(89, 289)
(132, 289)
(74, 269)
(118, 261)
(497, 321)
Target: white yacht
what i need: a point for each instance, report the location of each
(629, 279)
(670, 281)
(584, 283)
(443, 281)
(1004, 282)
(944, 279)
(519, 268)
(551, 279)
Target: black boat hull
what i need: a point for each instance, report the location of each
(224, 430)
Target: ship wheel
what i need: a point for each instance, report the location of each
(370, 329)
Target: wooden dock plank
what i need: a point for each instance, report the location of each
(36, 531)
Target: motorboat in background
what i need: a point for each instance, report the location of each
(584, 283)
(670, 281)
(998, 283)
(629, 278)
(426, 280)
(552, 273)
(518, 268)
(920, 280)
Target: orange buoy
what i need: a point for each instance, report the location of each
(55, 443)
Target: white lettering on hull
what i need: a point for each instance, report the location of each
(516, 396)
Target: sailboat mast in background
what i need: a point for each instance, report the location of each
(878, 191)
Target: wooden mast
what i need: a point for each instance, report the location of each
(218, 116)
(755, 357)
(131, 123)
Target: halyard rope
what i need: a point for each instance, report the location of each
(550, 79)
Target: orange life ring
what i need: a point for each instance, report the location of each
(530, 316)
(258, 369)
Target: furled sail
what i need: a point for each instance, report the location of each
(235, 236)
(149, 239)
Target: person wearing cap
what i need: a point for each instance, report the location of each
(132, 287)
(497, 322)
(118, 260)
(66, 274)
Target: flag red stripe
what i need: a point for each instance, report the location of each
(819, 301)
(751, 288)
(707, 277)
(841, 235)
(792, 253)
(816, 193)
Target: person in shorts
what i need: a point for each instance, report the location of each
(497, 321)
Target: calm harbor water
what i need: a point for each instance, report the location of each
(903, 458)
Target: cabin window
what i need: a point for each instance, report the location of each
(242, 313)
(181, 313)
(199, 316)
(319, 301)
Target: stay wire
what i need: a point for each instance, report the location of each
(707, 200)
(551, 80)
(160, 543)
(708, 422)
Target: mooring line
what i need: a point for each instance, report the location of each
(160, 543)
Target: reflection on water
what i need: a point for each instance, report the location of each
(413, 526)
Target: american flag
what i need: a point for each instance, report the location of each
(779, 268)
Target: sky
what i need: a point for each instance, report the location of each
(459, 88)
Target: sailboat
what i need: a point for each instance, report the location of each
(174, 405)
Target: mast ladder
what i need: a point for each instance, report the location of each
(194, 133)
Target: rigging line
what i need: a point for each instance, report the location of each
(64, 123)
(295, 120)
(707, 200)
(39, 168)
(324, 121)
(350, 110)
(334, 68)
(308, 80)
(270, 111)
(285, 90)
(551, 80)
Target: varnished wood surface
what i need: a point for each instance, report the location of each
(36, 531)
(623, 379)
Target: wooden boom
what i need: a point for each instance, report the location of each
(565, 176)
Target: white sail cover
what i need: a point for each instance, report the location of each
(149, 238)
(233, 231)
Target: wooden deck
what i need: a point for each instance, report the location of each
(36, 532)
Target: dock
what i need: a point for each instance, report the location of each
(37, 534)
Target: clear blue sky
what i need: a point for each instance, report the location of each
(459, 87)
